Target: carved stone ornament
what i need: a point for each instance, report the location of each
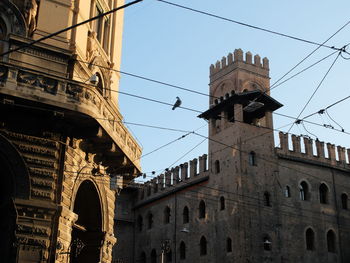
(30, 14)
(13, 18)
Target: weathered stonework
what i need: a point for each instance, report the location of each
(257, 206)
(62, 140)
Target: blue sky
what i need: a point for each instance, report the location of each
(177, 46)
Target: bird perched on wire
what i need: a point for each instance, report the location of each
(177, 103)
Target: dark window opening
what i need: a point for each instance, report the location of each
(252, 159)
(167, 215)
(344, 201)
(148, 190)
(323, 194)
(182, 250)
(310, 239)
(304, 191)
(267, 201)
(203, 246)
(331, 241)
(228, 245)
(222, 203)
(217, 166)
(201, 209)
(185, 215)
(153, 256)
(287, 191)
(98, 24)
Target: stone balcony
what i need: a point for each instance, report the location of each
(79, 102)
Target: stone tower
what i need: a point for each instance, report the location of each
(241, 137)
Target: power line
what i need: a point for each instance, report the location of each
(318, 86)
(69, 28)
(273, 86)
(310, 122)
(252, 26)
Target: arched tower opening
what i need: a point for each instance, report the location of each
(87, 235)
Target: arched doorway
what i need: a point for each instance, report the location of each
(14, 184)
(87, 235)
(7, 212)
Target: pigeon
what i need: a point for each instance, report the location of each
(177, 103)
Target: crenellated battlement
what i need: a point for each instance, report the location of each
(237, 59)
(174, 179)
(313, 151)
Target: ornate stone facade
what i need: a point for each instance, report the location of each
(248, 200)
(63, 145)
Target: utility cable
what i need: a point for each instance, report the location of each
(252, 26)
(69, 28)
(318, 86)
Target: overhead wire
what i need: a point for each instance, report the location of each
(253, 26)
(69, 28)
(317, 88)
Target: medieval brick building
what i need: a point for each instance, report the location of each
(61, 133)
(247, 200)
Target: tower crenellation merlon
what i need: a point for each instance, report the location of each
(313, 150)
(175, 178)
(238, 59)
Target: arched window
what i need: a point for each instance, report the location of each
(139, 223)
(267, 243)
(287, 191)
(203, 246)
(228, 245)
(167, 215)
(344, 201)
(331, 241)
(217, 166)
(201, 209)
(252, 159)
(153, 256)
(310, 239)
(150, 220)
(182, 250)
(222, 203)
(304, 191)
(169, 256)
(99, 84)
(185, 215)
(267, 201)
(142, 257)
(323, 190)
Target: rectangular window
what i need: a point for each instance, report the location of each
(98, 24)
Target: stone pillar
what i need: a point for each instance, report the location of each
(176, 176)
(284, 141)
(308, 146)
(67, 218)
(320, 149)
(184, 171)
(193, 168)
(331, 152)
(296, 143)
(203, 163)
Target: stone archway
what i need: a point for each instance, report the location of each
(87, 234)
(15, 183)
